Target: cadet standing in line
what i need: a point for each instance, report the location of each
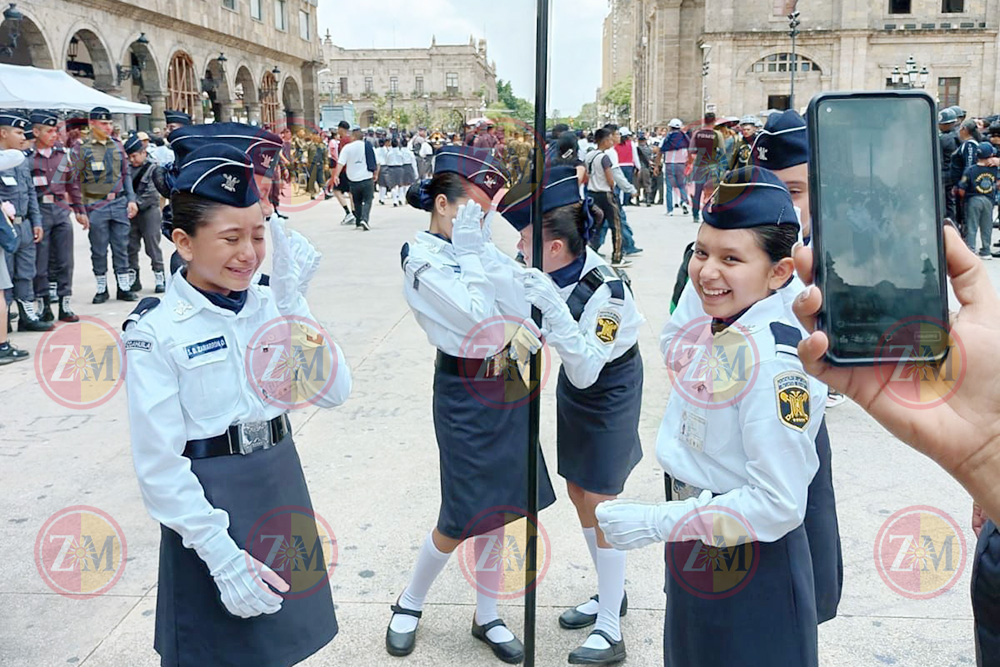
(212, 456)
(948, 139)
(741, 154)
(145, 226)
(750, 456)
(50, 169)
(9, 353)
(164, 154)
(481, 437)
(102, 196)
(592, 321)
(17, 187)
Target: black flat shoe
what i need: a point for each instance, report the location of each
(401, 643)
(571, 619)
(599, 656)
(511, 652)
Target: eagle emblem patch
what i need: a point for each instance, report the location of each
(792, 393)
(607, 326)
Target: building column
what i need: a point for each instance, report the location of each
(253, 112)
(158, 101)
(226, 111)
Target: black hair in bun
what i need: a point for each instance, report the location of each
(422, 194)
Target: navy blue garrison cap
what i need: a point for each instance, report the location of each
(45, 117)
(561, 189)
(260, 145)
(220, 173)
(174, 116)
(750, 197)
(10, 118)
(133, 144)
(476, 165)
(100, 113)
(783, 142)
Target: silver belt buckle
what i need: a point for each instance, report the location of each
(682, 491)
(254, 436)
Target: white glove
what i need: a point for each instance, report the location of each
(488, 224)
(10, 158)
(8, 208)
(287, 275)
(523, 343)
(540, 291)
(307, 259)
(630, 525)
(243, 592)
(467, 230)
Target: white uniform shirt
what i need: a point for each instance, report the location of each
(352, 156)
(380, 154)
(451, 295)
(393, 157)
(761, 466)
(178, 393)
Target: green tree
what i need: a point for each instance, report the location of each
(620, 96)
(519, 107)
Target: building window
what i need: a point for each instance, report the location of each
(268, 97)
(420, 85)
(256, 9)
(782, 7)
(182, 84)
(279, 15)
(948, 90)
(952, 6)
(779, 102)
(782, 62)
(343, 85)
(393, 84)
(899, 6)
(451, 82)
(229, 4)
(369, 85)
(304, 25)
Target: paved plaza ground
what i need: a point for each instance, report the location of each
(372, 469)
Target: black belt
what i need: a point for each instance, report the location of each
(240, 439)
(632, 351)
(490, 367)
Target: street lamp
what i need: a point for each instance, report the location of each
(132, 71)
(793, 32)
(14, 16)
(910, 77)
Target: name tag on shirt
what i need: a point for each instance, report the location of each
(9, 181)
(693, 430)
(40, 181)
(97, 166)
(205, 347)
(48, 199)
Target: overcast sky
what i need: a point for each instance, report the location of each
(509, 29)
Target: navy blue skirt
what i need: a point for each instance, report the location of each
(193, 628)
(823, 530)
(598, 427)
(986, 596)
(770, 621)
(482, 437)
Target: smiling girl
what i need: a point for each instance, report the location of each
(737, 450)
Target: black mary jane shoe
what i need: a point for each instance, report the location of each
(511, 652)
(571, 619)
(401, 643)
(615, 652)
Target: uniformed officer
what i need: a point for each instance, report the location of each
(162, 154)
(481, 433)
(145, 226)
(212, 457)
(741, 154)
(17, 187)
(9, 353)
(592, 321)
(50, 169)
(736, 445)
(948, 139)
(104, 202)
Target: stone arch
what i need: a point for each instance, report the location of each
(291, 97)
(32, 47)
(183, 91)
(269, 102)
(820, 62)
(219, 91)
(244, 79)
(98, 55)
(368, 118)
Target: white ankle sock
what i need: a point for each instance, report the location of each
(430, 562)
(611, 588)
(488, 580)
(590, 535)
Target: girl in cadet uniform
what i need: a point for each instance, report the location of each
(211, 456)
(482, 438)
(383, 172)
(744, 449)
(394, 164)
(593, 323)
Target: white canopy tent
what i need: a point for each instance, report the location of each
(23, 87)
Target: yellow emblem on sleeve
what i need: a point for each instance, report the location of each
(607, 326)
(792, 392)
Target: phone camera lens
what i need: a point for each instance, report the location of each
(829, 109)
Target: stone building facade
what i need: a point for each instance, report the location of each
(619, 42)
(843, 45)
(247, 60)
(449, 83)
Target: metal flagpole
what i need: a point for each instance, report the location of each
(535, 372)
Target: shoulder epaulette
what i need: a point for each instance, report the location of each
(786, 338)
(144, 306)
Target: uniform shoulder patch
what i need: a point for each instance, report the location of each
(786, 338)
(791, 390)
(139, 344)
(608, 323)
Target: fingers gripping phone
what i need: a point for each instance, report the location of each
(876, 207)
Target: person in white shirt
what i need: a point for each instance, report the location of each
(481, 428)
(358, 159)
(212, 449)
(383, 172)
(603, 174)
(737, 445)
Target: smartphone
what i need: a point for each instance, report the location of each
(876, 204)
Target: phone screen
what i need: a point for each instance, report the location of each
(876, 212)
